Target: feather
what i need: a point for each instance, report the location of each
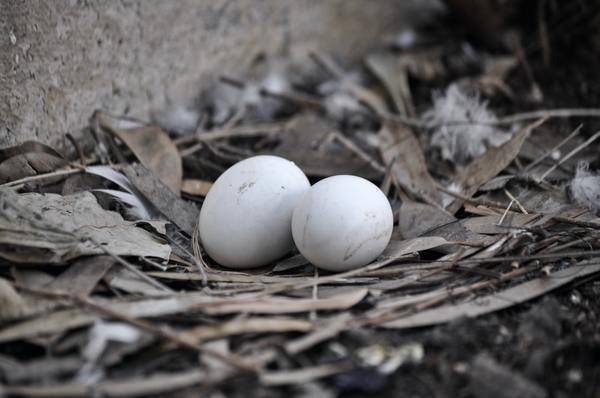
(585, 187)
(460, 142)
(138, 206)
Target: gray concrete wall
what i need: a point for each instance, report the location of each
(60, 60)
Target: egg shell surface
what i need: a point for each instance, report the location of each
(342, 223)
(245, 220)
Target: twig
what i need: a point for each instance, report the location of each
(480, 202)
(58, 173)
(233, 132)
(198, 259)
(506, 212)
(512, 198)
(555, 148)
(445, 294)
(297, 98)
(548, 113)
(579, 223)
(570, 155)
(315, 102)
(547, 256)
(359, 152)
(139, 323)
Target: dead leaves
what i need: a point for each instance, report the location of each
(307, 141)
(53, 229)
(494, 302)
(28, 159)
(195, 187)
(490, 164)
(277, 305)
(151, 146)
(247, 325)
(401, 150)
(181, 213)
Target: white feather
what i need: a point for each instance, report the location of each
(585, 187)
(461, 126)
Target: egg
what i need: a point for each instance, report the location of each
(342, 222)
(245, 220)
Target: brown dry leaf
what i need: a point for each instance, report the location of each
(231, 277)
(182, 213)
(27, 147)
(304, 143)
(281, 305)
(63, 320)
(195, 187)
(246, 325)
(419, 218)
(492, 80)
(130, 282)
(304, 375)
(153, 148)
(488, 165)
(399, 248)
(392, 74)
(53, 229)
(14, 305)
(325, 330)
(38, 370)
(392, 70)
(82, 276)
(132, 387)
(497, 301)
(28, 159)
(490, 224)
(400, 148)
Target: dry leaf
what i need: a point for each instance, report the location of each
(392, 74)
(64, 320)
(496, 301)
(195, 187)
(393, 69)
(53, 229)
(399, 248)
(153, 148)
(132, 387)
(181, 213)
(13, 305)
(246, 325)
(28, 159)
(130, 282)
(301, 376)
(419, 218)
(488, 165)
(489, 224)
(400, 148)
(280, 305)
(304, 143)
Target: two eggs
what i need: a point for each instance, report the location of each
(258, 208)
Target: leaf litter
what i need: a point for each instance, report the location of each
(487, 217)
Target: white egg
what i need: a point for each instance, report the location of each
(245, 220)
(342, 223)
